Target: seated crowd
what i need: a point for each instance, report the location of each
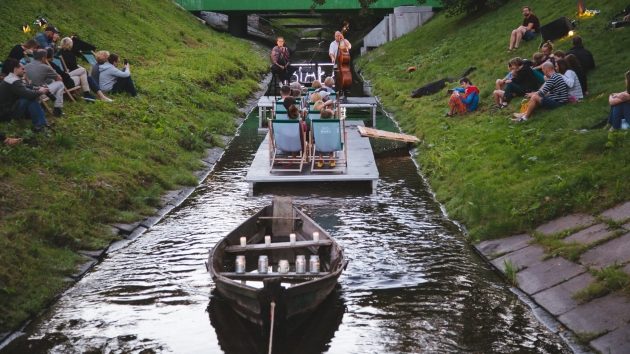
(550, 80)
(38, 71)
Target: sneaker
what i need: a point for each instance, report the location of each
(87, 95)
(519, 119)
(107, 99)
(57, 112)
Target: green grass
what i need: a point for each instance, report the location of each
(496, 177)
(608, 279)
(110, 163)
(510, 271)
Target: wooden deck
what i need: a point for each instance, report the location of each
(265, 104)
(382, 134)
(361, 164)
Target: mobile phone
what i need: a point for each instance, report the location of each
(125, 61)
(449, 91)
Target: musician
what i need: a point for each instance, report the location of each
(280, 58)
(339, 43)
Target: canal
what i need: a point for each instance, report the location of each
(412, 285)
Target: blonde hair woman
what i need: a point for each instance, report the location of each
(78, 73)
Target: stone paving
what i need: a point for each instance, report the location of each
(552, 281)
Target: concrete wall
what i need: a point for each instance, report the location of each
(404, 20)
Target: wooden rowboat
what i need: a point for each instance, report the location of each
(275, 297)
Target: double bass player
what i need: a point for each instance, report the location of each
(339, 43)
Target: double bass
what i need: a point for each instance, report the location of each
(343, 74)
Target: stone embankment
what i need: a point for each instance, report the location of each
(552, 281)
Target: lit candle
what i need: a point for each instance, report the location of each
(243, 241)
(240, 264)
(267, 240)
(292, 239)
(316, 236)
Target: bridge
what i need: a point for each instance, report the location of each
(261, 6)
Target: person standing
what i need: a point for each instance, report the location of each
(280, 60)
(526, 31)
(340, 43)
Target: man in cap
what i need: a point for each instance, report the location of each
(47, 39)
(41, 74)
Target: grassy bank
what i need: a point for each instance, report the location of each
(496, 177)
(109, 162)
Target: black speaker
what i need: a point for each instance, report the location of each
(556, 29)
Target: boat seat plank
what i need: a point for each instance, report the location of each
(259, 276)
(277, 246)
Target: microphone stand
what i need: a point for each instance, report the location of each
(310, 61)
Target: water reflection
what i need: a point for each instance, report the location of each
(307, 335)
(412, 285)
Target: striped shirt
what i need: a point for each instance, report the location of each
(555, 88)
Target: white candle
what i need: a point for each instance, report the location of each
(267, 240)
(243, 241)
(292, 239)
(316, 236)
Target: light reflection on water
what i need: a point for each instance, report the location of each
(413, 285)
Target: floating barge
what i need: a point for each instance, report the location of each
(265, 105)
(361, 164)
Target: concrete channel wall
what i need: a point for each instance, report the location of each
(404, 20)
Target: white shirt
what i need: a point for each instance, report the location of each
(572, 81)
(334, 47)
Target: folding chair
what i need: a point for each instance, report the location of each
(90, 57)
(62, 65)
(328, 148)
(287, 146)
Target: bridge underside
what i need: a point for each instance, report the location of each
(261, 6)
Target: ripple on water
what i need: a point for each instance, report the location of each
(412, 285)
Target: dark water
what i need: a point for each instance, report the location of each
(412, 286)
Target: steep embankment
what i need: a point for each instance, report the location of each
(497, 177)
(109, 162)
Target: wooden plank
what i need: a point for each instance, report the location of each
(276, 246)
(382, 134)
(259, 276)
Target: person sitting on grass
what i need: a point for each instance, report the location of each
(547, 55)
(41, 74)
(571, 79)
(47, 39)
(17, 100)
(21, 51)
(78, 73)
(101, 58)
(526, 31)
(554, 93)
(113, 80)
(583, 55)
(463, 99)
(620, 106)
(9, 141)
(574, 64)
(524, 80)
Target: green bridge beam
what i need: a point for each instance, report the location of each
(292, 5)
